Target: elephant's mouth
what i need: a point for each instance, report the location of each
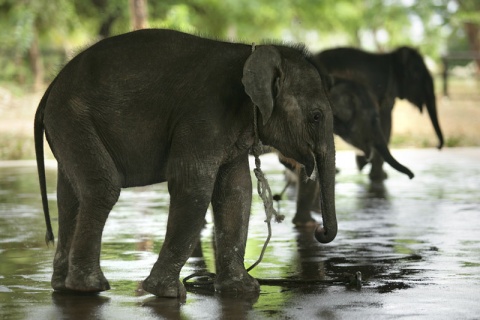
(369, 153)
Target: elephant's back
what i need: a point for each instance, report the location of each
(153, 66)
(150, 51)
(370, 69)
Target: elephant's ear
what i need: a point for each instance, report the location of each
(402, 67)
(260, 75)
(343, 102)
(342, 107)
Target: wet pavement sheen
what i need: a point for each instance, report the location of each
(415, 242)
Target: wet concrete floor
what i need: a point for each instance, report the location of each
(415, 242)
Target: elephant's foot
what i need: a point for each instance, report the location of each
(60, 271)
(79, 280)
(162, 287)
(58, 282)
(58, 277)
(378, 176)
(304, 220)
(242, 283)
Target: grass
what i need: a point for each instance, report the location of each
(458, 116)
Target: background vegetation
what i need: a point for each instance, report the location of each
(39, 36)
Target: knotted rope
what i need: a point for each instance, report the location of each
(263, 188)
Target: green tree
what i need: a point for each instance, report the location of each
(469, 16)
(33, 26)
(26, 25)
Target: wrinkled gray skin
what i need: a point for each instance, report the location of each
(158, 105)
(399, 74)
(356, 121)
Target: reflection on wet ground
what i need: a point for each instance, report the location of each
(415, 242)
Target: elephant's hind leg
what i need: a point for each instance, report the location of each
(99, 193)
(96, 183)
(67, 212)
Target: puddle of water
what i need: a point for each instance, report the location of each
(415, 243)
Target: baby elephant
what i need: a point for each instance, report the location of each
(356, 120)
(156, 106)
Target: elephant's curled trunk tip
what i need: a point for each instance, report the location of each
(410, 174)
(324, 236)
(440, 145)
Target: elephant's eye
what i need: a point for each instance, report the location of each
(317, 116)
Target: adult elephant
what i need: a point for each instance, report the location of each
(159, 105)
(399, 74)
(357, 122)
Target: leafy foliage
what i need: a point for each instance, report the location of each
(377, 25)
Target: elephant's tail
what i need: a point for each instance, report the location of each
(39, 152)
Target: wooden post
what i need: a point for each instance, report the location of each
(138, 13)
(36, 63)
(445, 75)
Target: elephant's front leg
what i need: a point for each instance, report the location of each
(190, 195)
(377, 174)
(231, 202)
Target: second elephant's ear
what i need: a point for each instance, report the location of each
(343, 102)
(260, 74)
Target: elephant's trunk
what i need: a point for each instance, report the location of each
(432, 111)
(387, 156)
(326, 176)
(380, 145)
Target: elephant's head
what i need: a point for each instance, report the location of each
(415, 84)
(296, 117)
(356, 120)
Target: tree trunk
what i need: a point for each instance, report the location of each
(138, 12)
(473, 34)
(36, 64)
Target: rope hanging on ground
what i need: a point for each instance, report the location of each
(264, 191)
(206, 280)
(263, 187)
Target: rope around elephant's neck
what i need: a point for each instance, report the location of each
(263, 187)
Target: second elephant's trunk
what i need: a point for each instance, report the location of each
(387, 156)
(380, 145)
(432, 111)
